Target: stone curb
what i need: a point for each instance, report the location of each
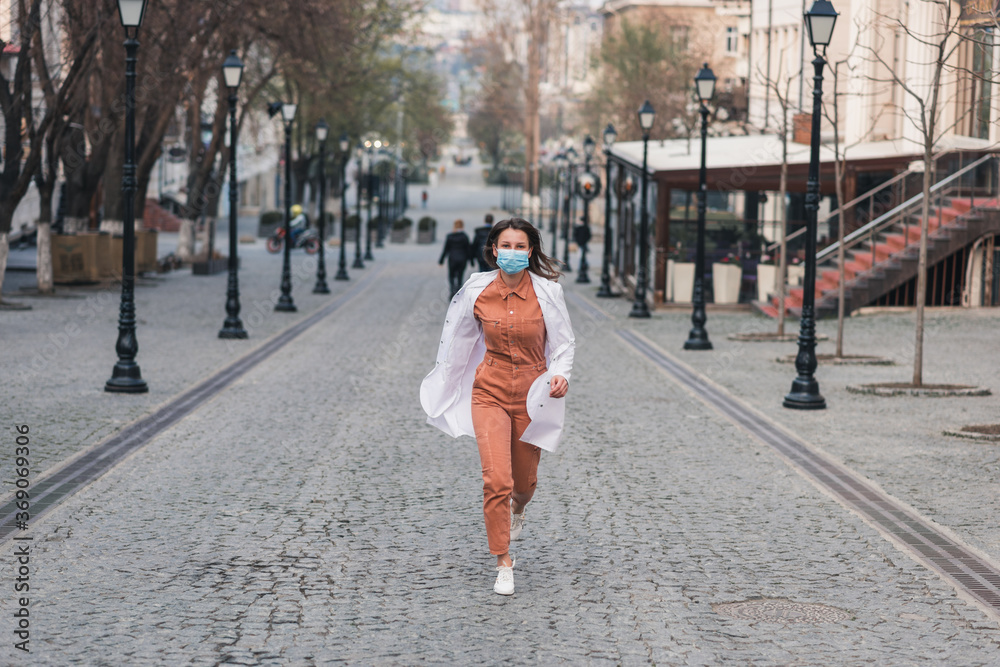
(958, 390)
(842, 361)
(769, 337)
(969, 435)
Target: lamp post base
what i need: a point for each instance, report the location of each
(285, 305)
(582, 277)
(321, 288)
(804, 396)
(342, 274)
(126, 378)
(605, 292)
(358, 264)
(698, 341)
(233, 331)
(639, 309)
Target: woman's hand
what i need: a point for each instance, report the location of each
(560, 386)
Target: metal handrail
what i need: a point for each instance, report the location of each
(889, 218)
(871, 193)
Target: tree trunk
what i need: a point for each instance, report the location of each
(43, 272)
(782, 234)
(921, 297)
(4, 250)
(840, 257)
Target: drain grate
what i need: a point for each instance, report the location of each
(971, 574)
(52, 489)
(781, 611)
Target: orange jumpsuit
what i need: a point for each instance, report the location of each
(515, 356)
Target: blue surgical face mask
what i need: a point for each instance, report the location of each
(512, 261)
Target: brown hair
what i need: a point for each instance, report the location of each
(459, 225)
(538, 263)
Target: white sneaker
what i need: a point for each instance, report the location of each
(516, 524)
(505, 579)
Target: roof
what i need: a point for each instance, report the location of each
(757, 157)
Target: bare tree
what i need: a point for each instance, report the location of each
(531, 20)
(781, 87)
(831, 110)
(925, 111)
(20, 165)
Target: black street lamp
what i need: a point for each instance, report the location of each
(698, 337)
(285, 303)
(322, 130)
(640, 308)
(609, 139)
(126, 377)
(804, 394)
(358, 264)
(232, 71)
(371, 182)
(560, 163)
(588, 187)
(345, 147)
(571, 155)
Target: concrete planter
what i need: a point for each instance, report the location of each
(796, 274)
(145, 251)
(211, 267)
(682, 282)
(767, 281)
(75, 258)
(726, 279)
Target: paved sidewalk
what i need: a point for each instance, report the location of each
(306, 515)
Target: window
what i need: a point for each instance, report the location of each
(679, 37)
(732, 40)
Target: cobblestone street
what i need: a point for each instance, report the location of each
(307, 515)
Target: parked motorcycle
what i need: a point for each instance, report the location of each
(301, 238)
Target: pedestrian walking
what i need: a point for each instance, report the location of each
(423, 199)
(501, 375)
(458, 251)
(479, 242)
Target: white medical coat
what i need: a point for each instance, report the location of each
(446, 392)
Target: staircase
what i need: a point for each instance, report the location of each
(883, 254)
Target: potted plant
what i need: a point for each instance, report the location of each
(727, 275)
(680, 278)
(426, 230)
(796, 272)
(401, 230)
(767, 277)
(269, 221)
(351, 228)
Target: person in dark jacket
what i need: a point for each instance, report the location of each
(479, 242)
(458, 250)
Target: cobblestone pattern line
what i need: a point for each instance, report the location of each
(307, 515)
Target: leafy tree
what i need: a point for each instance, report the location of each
(641, 62)
(496, 112)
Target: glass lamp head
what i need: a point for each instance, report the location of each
(704, 82)
(589, 145)
(322, 130)
(820, 20)
(609, 136)
(288, 112)
(232, 70)
(646, 116)
(131, 12)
